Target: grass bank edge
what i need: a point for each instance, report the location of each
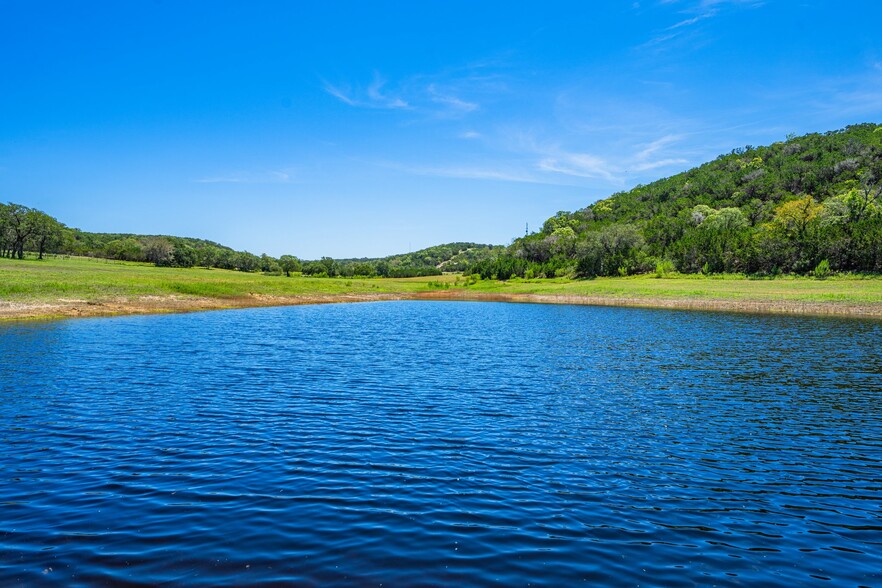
(57, 279)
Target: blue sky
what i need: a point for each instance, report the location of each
(372, 128)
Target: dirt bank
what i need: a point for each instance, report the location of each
(64, 308)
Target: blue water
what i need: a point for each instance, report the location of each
(421, 443)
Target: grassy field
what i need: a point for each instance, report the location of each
(852, 290)
(98, 279)
(80, 286)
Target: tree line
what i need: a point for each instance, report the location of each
(24, 229)
(810, 204)
(27, 229)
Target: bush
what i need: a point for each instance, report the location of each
(663, 268)
(822, 270)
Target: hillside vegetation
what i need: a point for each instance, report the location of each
(27, 229)
(807, 205)
(431, 261)
(810, 204)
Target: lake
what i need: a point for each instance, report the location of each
(442, 443)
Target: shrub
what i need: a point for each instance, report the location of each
(663, 268)
(822, 270)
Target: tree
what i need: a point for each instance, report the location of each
(330, 266)
(128, 249)
(269, 265)
(794, 218)
(289, 264)
(722, 236)
(45, 231)
(158, 250)
(313, 268)
(19, 227)
(247, 262)
(183, 256)
(383, 268)
(363, 269)
(5, 232)
(620, 244)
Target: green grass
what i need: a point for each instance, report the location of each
(95, 279)
(87, 279)
(843, 289)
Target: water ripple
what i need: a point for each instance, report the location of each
(441, 443)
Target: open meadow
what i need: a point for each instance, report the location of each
(72, 286)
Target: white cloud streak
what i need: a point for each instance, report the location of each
(449, 94)
(371, 97)
(581, 165)
(698, 12)
(453, 104)
(282, 176)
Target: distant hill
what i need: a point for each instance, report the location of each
(27, 229)
(810, 203)
(448, 257)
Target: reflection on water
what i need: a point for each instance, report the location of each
(441, 443)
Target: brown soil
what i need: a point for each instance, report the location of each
(168, 304)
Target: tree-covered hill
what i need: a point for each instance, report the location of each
(27, 229)
(810, 203)
(807, 204)
(449, 257)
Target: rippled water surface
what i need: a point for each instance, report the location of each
(427, 443)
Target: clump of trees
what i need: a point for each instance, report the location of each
(792, 207)
(27, 229)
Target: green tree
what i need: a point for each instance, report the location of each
(183, 256)
(331, 267)
(128, 249)
(269, 265)
(20, 224)
(289, 264)
(47, 232)
(158, 250)
(247, 262)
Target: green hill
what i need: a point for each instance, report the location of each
(27, 229)
(810, 203)
(451, 257)
(431, 261)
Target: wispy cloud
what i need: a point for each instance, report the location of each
(656, 146)
(373, 96)
(581, 165)
(694, 13)
(449, 94)
(651, 165)
(378, 98)
(475, 173)
(453, 104)
(282, 176)
(857, 96)
(644, 160)
(691, 21)
(470, 135)
(339, 93)
(551, 158)
(499, 173)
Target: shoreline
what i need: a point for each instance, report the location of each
(63, 308)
